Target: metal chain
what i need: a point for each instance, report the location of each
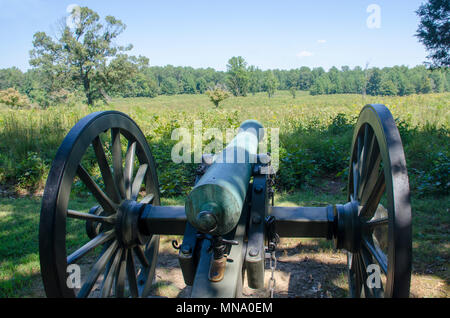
(273, 240)
(273, 266)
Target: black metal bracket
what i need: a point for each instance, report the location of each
(188, 254)
(272, 236)
(255, 256)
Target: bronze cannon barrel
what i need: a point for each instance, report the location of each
(215, 204)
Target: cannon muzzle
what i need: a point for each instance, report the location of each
(215, 204)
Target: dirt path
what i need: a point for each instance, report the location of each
(305, 269)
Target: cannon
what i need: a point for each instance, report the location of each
(228, 224)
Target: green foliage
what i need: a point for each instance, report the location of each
(388, 88)
(217, 94)
(436, 180)
(11, 77)
(297, 168)
(256, 79)
(189, 85)
(43, 85)
(237, 76)
(141, 86)
(374, 83)
(405, 87)
(315, 131)
(305, 78)
(29, 171)
(169, 86)
(201, 85)
(270, 83)
(425, 86)
(321, 85)
(433, 30)
(13, 98)
(340, 124)
(293, 91)
(438, 80)
(40, 97)
(85, 56)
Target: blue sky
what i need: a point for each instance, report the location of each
(281, 34)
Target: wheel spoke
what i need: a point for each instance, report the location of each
(131, 274)
(370, 291)
(89, 246)
(147, 199)
(98, 193)
(359, 153)
(363, 275)
(362, 155)
(147, 274)
(121, 275)
(371, 176)
(378, 254)
(117, 161)
(129, 164)
(358, 279)
(355, 180)
(369, 144)
(141, 255)
(108, 180)
(108, 281)
(370, 206)
(377, 222)
(138, 181)
(97, 269)
(91, 217)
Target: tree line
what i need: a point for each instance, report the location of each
(240, 80)
(84, 62)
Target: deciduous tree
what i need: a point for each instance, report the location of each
(434, 30)
(237, 76)
(86, 54)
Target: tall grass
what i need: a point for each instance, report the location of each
(315, 134)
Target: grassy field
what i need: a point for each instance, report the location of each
(315, 132)
(315, 136)
(20, 271)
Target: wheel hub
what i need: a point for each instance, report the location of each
(127, 229)
(348, 229)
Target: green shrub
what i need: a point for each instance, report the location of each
(297, 169)
(29, 171)
(13, 98)
(40, 97)
(435, 181)
(217, 94)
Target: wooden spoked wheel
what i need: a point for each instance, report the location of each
(104, 166)
(379, 247)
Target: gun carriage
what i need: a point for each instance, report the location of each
(228, 224)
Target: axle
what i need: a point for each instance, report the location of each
(330, 222)
(301, 222)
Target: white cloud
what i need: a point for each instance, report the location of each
(321, 41)
(304, 54)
